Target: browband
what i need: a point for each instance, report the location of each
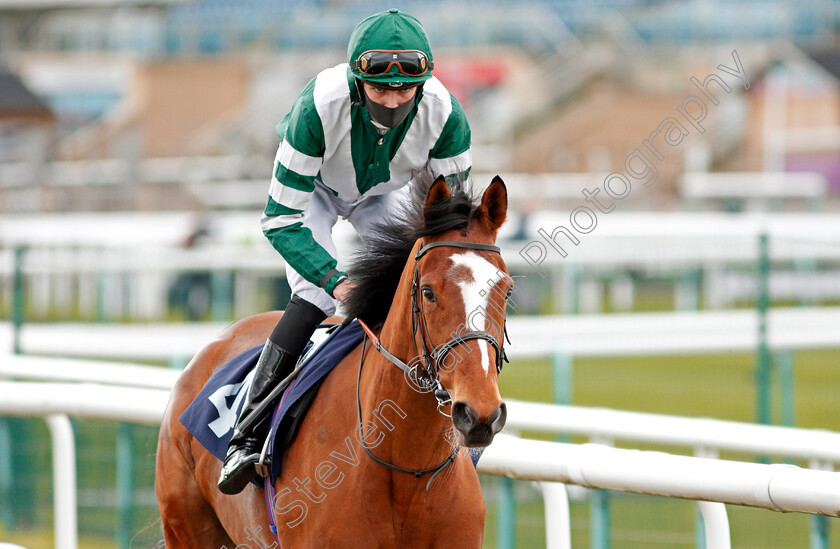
(457, 244)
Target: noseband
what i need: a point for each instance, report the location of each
(433, 355)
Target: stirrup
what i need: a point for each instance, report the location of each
(237, 479)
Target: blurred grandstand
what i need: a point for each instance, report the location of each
(160, 104)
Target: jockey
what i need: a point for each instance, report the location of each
(352, 142)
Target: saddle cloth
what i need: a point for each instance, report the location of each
(211, 416)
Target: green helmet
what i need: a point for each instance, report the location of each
(390, 47)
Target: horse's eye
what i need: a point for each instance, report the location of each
(428, 294)
(508, 293)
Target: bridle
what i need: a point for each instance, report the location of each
(433, 356)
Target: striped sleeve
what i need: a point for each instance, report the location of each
(451, 155)
(297, 163)
(291, 187)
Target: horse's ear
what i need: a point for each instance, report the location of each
(494, 204)
(437, 192)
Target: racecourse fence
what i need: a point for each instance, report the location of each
(780, 487)
(562, 338)
(142, 266)
(531, 336)
(580, 336)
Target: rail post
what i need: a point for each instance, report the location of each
(558, 531)
(784, 370)
(562, 371)
(689, 289)
(64, 481)
(569, 289)
(715, 531)
(819, 532)
(506, 510)
(18, 297)
(7, 512)
(125, 484)
(222, 296)
(820, 525)
(599, 519)
(763, 358)
(506, 515)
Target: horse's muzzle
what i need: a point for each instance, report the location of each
(475, 432)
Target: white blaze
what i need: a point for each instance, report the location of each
(476, 293)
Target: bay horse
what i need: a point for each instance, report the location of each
(377, 461)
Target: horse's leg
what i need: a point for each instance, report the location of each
(188, 519)
(186, 474)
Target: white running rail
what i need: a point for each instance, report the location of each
(776, 487)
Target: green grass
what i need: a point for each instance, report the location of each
(31, 497)
(644, 522)
(34, 539)
(719, 386)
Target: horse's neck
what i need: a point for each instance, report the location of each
(413, 432)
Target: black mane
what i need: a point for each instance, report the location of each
(376, 268)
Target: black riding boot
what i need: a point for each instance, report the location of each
(277, 360)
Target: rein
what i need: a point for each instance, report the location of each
(432, 357)
(416, 472)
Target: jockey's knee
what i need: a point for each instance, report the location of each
(297, 324)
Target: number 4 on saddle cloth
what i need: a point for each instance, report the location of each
(211, 417)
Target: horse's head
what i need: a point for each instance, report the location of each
(459, 291)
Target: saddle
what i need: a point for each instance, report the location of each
(211, 416)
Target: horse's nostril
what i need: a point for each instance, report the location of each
(477, 432)
(498, 419)
(463, 416)
(499, 414)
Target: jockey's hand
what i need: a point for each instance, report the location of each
(343, 290)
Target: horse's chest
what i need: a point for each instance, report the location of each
(373, 512)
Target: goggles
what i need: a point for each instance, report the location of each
(379, 62)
